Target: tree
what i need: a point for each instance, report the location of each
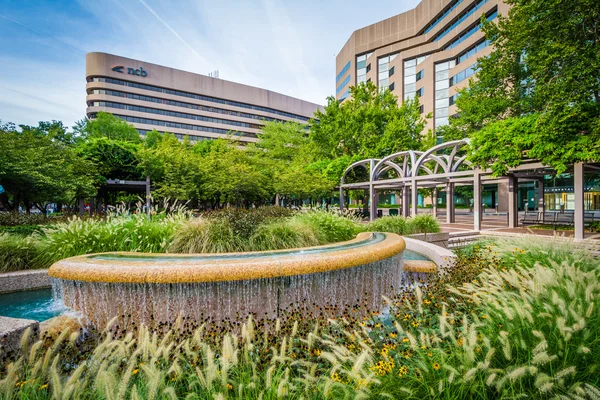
(287, 155)
(108, 126)
(538, 92)
(37, 167)
(114, 159)
(173, 167)
(369, 124)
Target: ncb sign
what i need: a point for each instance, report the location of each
(131, 71)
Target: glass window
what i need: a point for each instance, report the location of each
(383, 83)
(441, 75)
(409, 95)
(383, 67)
(361, 58)
(384, 60)
(441, 94)
(410, 87)
(441, 66)
(361, 71)
(445, 84)
(410, 71)
(392, 86)
(361, 78)
(383, 75)
(393, 56)
(361, 64)
(441, 121)
(441, 103)
(441, 112)
(392, 71)
(411, 63)
(410, 79)
(420, 75)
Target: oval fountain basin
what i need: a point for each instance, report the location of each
(147, 289)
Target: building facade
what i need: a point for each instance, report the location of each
(151, 96)
(428, 52)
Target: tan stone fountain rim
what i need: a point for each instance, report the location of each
(189, 268)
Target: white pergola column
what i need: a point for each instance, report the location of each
(372, 202)
(341, 199)
(435, 194)
(414, 198)
(579, 188)
(450, 203)
(513, 209)
(541, 203)
(405, 201)
(477, 208)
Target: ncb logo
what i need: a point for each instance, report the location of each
(131, 71)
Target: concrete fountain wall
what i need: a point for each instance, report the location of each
(148, 288)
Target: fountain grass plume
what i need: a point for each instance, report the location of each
(518, 328)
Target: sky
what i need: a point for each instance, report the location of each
(287, 46)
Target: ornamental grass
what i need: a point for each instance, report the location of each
(515, 318)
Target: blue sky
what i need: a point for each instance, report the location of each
(282, 45)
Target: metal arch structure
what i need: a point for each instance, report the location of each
(446, 166)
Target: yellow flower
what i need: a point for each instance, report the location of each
(317, 352)
(229, 386)
(335, 377)
(459, 342)
(406, 340)
(430, 354)
(393, 335)
(415, 324)
(423, 347)
(406, 316)
(44, 386)
(436, 366)
(426, 302)
(403, 370)
(135, 371)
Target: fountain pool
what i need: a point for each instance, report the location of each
(151, 288)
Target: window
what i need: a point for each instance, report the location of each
(343, 85)
(439, 18)
(392, 70)
(420, 92)
(469, 33)
(411, 76)
(392, 86)
(442, 92)
(342, 72)
(463, 16)
(196, 96)
(362, 68)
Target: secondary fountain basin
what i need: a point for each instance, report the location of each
(151, 288)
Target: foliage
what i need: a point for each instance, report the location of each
(516, 318)
(134, 232)
(537, 93)
(201, 235)
(17, 252)
(106, 125)
(114, 159)
(284, 234)
(330, 227)
(37, 168)
(423, 223)
(393, 224)
(245, 221)
(16, 219)
(369, 124)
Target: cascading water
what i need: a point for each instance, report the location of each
(328, 292)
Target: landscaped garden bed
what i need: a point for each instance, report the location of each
(515, 317)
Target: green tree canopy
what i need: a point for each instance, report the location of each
(108, 126)
(369, 124)
(37, 167)
(538, 92)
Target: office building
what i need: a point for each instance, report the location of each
(428, 52)
(151, 96)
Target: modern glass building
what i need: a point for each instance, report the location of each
(428, 52)
(151, 96)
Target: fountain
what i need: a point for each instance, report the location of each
(150, 288)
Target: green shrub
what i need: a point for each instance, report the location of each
(15, 218)
(393, 224)
(117, 233)
(23, 230)
(423, 223)
(329, 226)
(245, 221)
(203, 235)
(17, 252)
(284, 234)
